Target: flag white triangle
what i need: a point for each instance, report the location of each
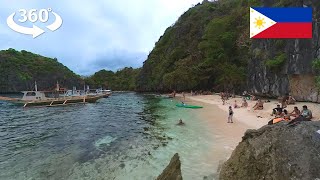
(259, 22)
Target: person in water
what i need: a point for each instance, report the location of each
(230, 115)
(306, 113)
(180, 123)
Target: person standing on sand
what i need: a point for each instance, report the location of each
(284, 101)
(230, 115)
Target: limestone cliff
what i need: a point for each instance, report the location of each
(294, 73)
(276, 152)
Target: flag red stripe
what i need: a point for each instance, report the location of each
(287, 30)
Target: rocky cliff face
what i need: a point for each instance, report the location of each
(173, 170)
(295, 75)
(276, 152)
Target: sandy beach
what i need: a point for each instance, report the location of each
(252, 119)
(227, 136)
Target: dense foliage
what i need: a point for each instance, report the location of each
(122, 80)
(19, 71)
(207, 48)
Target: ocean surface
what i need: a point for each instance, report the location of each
(126, 136)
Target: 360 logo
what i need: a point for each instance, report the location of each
(34, 15)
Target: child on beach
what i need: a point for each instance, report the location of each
(230, 115)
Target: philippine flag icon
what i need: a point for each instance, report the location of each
(280, 22)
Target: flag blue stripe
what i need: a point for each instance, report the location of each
(286, 14)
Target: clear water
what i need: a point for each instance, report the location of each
(127, 136)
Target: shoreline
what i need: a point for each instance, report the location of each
(227, 136)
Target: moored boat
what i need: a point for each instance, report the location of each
(53, 98)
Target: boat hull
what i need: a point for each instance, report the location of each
(60, 101)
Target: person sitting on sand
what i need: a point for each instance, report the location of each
(277, 111)
(244, 103)
(235, 105)
(306, 113)
(296, 112)
(180, 123)
(258, 105)
(291, 100)
(285, 115)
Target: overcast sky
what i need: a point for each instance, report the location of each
(100, 34)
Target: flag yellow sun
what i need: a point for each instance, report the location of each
(259, 22)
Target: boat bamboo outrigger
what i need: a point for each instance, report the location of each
(55, 98)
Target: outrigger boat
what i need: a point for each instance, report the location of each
(54, 98)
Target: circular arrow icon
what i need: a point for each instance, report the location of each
(56, 24)
(35, 31)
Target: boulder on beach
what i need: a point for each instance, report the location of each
(276, 152)
(173, 170)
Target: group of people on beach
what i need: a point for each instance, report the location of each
(280, 112)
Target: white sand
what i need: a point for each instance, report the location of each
(252, 118)
(226, 135)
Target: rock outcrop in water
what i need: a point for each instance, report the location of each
(276, 152)
(173, 170)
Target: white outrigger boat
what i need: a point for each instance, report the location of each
(54, 98)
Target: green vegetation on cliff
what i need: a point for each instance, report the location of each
(206, 48)
(122, 80)
(19, 71)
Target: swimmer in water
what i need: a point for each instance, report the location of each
(180, 122)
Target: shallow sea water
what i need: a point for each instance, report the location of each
(127, 136)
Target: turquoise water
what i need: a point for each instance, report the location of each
(127, 136)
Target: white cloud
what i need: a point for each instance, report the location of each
(95, 30)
